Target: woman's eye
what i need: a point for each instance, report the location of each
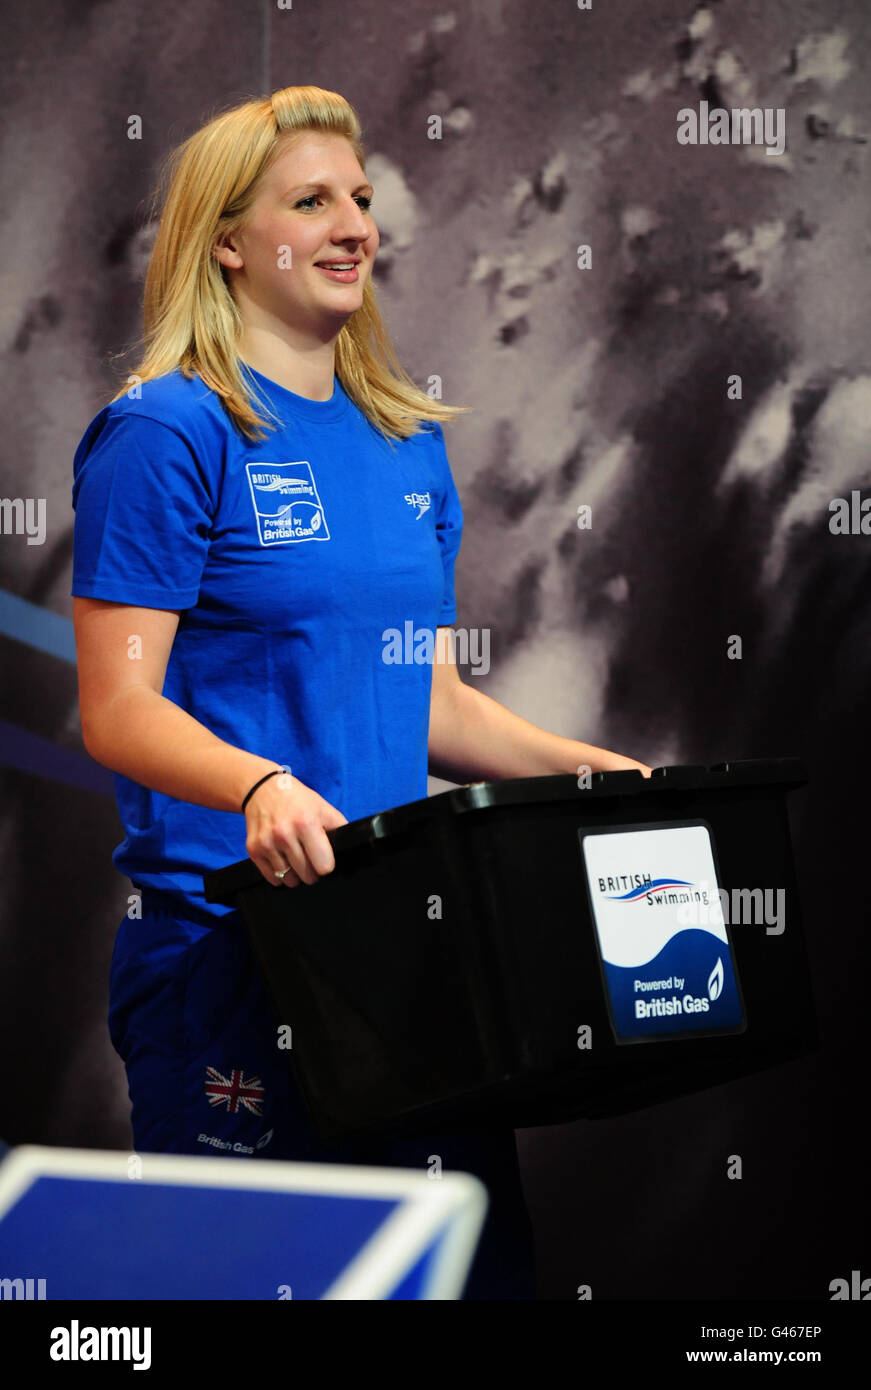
(364, 201)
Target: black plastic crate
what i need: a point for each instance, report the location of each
(449, 972)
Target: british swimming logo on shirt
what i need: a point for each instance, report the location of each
(286, 503)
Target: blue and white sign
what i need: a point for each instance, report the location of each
(664, 946)
(89, 1224)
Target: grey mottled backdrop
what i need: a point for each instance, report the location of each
(604, 386)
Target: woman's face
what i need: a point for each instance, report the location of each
(312, 206)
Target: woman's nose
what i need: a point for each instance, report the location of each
(353, 223)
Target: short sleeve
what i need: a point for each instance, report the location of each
(143, 514)
(449, 527)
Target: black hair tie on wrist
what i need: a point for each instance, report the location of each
(249, 795)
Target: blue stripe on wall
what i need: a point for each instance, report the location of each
(47, 632)
(29, 753)
(37, 627)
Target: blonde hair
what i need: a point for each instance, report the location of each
(191, 320)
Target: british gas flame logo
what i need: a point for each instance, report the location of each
(715, 980)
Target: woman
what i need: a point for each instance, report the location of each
(243, 540)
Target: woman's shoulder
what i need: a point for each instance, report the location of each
(167, 415)
(178, 401)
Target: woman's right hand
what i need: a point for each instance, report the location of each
(287, 824)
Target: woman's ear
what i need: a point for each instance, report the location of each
(227, 255)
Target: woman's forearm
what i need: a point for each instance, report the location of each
(147, 738)
(475, 738)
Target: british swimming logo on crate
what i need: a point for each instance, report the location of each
(286, 503)
(664, 977)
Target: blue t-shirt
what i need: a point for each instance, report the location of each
(298, 563)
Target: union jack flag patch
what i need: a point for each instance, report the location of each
(234, 1090)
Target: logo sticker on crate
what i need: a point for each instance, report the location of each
(663, 941)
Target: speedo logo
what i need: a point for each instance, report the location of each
(419, 499)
